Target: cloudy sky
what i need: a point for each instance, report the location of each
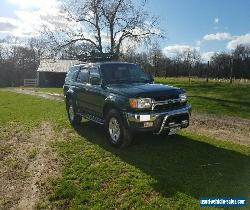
(206, 25)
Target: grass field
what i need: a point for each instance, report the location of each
(215, 97)
(156, 173)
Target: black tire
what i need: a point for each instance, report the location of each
(74, 119)
(125, 138)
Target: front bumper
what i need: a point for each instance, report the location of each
(159, 121)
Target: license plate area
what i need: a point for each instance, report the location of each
(144, 118)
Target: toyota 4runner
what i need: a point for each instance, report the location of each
(123, 98)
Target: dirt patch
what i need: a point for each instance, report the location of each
(53, 96)
(227, 128)
(26, 162)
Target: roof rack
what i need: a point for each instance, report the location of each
(98, 57)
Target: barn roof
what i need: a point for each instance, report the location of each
(51, 65)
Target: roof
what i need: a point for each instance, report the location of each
(51, 65)
(101, 63)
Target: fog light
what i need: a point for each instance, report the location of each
(148, 124)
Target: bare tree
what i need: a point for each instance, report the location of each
(177, 63)
(221, 62)
(16, 63)
(241, 52)
(241, 56)
(40, 46)
(189, 57)
(103, 24)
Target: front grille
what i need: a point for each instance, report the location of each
(165, 97)
(168, 106)
(165, 102)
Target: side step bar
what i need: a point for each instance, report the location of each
(92, 118)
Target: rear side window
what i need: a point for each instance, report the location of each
(83, 76)
(71, 75)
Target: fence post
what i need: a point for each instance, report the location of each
(231, 71)
(207, 71)
(189, 73)
(37, 77)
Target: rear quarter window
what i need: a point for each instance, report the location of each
(71, 75)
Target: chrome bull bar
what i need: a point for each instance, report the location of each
(133, 117)
(172, 125)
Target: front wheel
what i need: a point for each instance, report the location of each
(118, 135)
(74, 119)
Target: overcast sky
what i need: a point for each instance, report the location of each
(206, 25)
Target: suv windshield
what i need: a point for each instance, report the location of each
(123, 73)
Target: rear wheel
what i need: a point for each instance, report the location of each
(74, 119)
(117, 133)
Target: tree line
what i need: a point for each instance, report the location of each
(120, 28)
(17, 62)
(189, 63)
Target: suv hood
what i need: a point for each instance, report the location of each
(145, 90)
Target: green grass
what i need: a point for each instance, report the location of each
(30, 111)
(158, 172)
(215, 97)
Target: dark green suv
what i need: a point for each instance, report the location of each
(123, 98)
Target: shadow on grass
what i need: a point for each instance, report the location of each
(181, 164)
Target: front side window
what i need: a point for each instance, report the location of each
(123, 73)
(94, 72)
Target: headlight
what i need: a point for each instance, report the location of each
(183, 97)
(140, 103)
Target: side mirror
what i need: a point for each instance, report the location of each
(95, 80)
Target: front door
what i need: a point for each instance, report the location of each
(95, 94)
(81, 89)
